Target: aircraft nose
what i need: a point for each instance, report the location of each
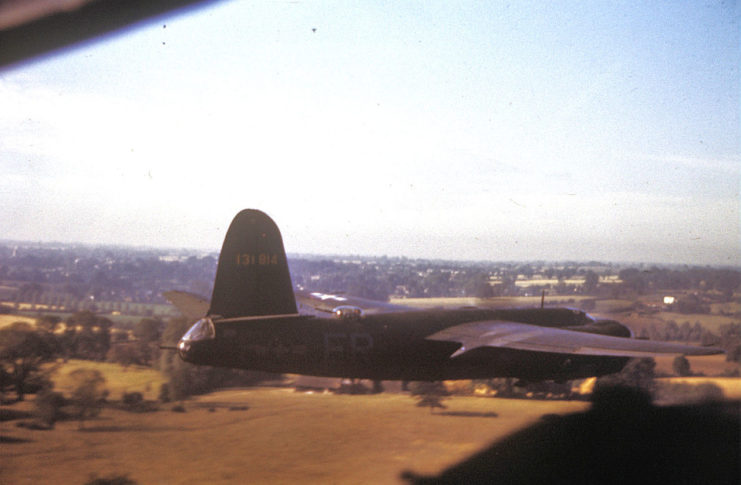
(202, 330)
(183, 348)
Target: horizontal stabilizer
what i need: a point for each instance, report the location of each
(190, 305)
(327, 302)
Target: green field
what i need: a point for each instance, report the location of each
(706, 365)
(258, 435)
(284, 437)
(119, 379)
(731, 386)
(6, 320)
(265, 435)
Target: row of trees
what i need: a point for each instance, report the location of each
(380, 278)
(63, 275)
(721, 280)
(414, 279)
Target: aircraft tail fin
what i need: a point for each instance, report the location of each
(252, 278)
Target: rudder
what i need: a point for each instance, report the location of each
(252, 277)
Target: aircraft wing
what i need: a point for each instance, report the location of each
(29, 28)
(327, 302)
(522, 336)
(194, 306)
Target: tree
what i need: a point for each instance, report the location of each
(478, 286)
(22, 351)
(430, 394)
(437, 283)
(638, 374)
(48, 406)
(148, 329)
(48, 323)
(734, 354)
(88, 336)
(147, 332)
(681, 366)
(88, 394)
(727, 281)
(633, 279)
(591, 279)
(126, 354)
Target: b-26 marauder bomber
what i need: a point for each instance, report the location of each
(253, 322)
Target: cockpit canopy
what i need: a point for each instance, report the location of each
(203, 329)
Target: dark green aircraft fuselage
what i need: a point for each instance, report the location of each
(392, 346)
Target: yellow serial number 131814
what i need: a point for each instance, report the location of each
(262, 259)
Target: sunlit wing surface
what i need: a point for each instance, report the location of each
(328, 302)
(191, 306)
(522, 336)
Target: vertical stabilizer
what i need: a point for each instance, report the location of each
(252, 278)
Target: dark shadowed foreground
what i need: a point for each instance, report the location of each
(622, 439)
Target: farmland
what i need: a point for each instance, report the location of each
(265, 434)
(119, 379)
(6, 320)
(268, 435)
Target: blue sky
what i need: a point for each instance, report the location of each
(470, 130)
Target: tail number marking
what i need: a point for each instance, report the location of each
(262, 259)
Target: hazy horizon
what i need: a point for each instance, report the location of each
(347, 256)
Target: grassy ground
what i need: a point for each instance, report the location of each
(266, 435)
(6, 320)
(284, 437)
(119, 379)
(731, 386)
(707, 365)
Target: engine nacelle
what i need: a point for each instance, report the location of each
(347, 312)
(609, 327)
